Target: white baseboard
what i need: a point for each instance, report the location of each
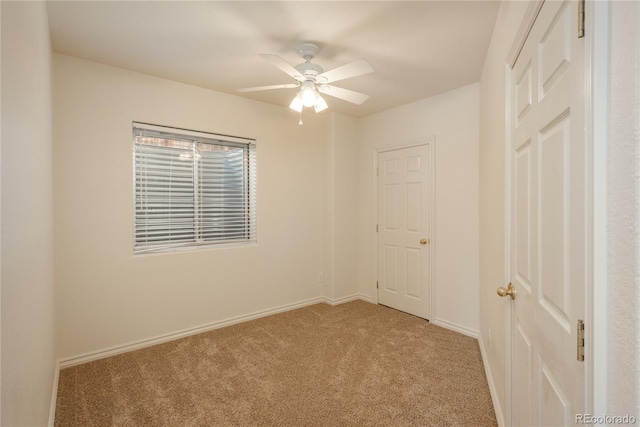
(136, 345)
(349, 298)
(54, 395)
(457, 328)
(492, 386)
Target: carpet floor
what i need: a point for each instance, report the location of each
(356, 364)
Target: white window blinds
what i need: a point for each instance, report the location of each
(192, 189)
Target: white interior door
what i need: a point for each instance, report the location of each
(549, 220)
(403, 229)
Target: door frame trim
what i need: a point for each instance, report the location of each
(597, 44)
(595, 124)
(430, 142)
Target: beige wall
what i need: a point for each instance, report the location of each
(452, 118)
(493, 310)
(28, 351)
(623, 212)
(344, 204)
(307, 225)
(106, 296)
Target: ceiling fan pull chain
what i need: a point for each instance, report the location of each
(300, 122)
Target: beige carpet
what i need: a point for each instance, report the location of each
(356, 364)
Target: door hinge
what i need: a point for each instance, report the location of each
(580, 330)
(580, 19)
(377, 171)
(376, 228)
(377, 286)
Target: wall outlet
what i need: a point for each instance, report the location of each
(490, 337)
(320, 277)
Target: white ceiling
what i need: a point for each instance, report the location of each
(418, 48)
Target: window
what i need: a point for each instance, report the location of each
(192, 189)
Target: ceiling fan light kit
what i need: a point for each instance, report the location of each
(308, 93)
(296, 104)
(321, 104)
(311, 80)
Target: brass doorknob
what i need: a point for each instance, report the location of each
(424, 241)
(510, 290)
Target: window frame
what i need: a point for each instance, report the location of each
(196, 139)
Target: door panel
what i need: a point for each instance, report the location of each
(414, 272)
(403, 220)
(522, 195)
(390, 268)
(548, 214)
(554, 405)
(523, 376)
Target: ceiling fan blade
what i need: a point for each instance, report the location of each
(257, 88)
(345, 94)
(352, 69)
(283, 65)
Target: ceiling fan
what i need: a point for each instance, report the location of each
(312, 80)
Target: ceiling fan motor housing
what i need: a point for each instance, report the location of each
(308, 50)
(309, 71)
